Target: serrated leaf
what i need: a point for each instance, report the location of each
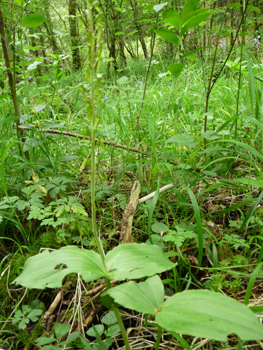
(22, 324)
(168, 36)
(111, 102)
(34, 314)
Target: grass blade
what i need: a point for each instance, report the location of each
(198, 224)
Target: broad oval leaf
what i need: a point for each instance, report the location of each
(48, 269)
(172, 17)
(159, 227)
(175, 69)
(168, 36)
(33, 20)
(133, 260)
(206, 314)
(130, 261)
(146, 297)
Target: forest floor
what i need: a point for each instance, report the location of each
(207, 221)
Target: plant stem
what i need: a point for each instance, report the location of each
(158, 340)
(93, 57)
(121, 325)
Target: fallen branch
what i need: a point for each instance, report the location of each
(109, 143)
(126, 227)
(151, 195)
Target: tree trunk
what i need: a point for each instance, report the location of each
(11, 82)
(122, 53)
(138, 26)
(49, 28)
(74, 35)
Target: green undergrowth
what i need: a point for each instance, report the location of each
(45, 201)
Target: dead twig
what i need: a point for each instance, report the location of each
(109, 143)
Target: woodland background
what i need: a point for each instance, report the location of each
(130, 122)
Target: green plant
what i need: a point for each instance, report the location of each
(27, 314)
(215, 315)
(60, 330)
(97, 331)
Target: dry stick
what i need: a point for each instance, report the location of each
(54, 304)
(128, 214)
(110, 143)
(151, 195)
(126, 229)
(11, 82)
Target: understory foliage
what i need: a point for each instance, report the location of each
(131, 206)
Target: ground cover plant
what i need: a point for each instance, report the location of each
(131, 206)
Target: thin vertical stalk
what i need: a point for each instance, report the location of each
(93, 65)
(210, 84)
(11, 81)
(146, 79)
(158, 340)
